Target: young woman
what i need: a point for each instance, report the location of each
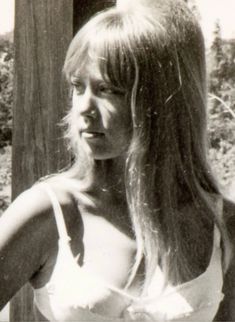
(137, 228)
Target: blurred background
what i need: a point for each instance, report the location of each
(217, 20)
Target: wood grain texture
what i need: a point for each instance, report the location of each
(43, 30)
(42, 33)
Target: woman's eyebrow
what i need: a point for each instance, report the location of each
(76, 77)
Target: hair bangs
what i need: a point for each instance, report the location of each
(105, 42)
(116, 62)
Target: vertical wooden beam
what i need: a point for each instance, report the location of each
(43, 30)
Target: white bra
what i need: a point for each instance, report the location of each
(72, 294)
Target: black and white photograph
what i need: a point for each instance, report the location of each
(117, 160)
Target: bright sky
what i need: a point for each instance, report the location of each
(210, 10)
(6, 16)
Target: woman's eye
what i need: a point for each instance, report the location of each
(105, 89)
(110, 90)
(78, 88)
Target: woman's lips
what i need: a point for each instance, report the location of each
(92, 135)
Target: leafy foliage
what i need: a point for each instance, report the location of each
(5, 177)
(222, 107)
(6, 91)
(6, 101)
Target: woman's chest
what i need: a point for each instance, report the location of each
(108, 255)
(108, 252)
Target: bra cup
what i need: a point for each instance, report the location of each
(183, 302)
(75, 294)
(71, 285)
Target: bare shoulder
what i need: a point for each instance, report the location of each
(30, 218)
(30, 206)
(64, 191)
(29, 235)
(24, 241)
(34, 204)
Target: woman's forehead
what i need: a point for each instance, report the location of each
(88, 62)
(108, 56)
(89, 68)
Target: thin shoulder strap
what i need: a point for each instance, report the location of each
(59, 217)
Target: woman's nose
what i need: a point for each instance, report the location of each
(86, 104)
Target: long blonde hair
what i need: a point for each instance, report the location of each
(157, 56)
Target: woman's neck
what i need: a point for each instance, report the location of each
(109, 175)
(103, 192)
(105, 176)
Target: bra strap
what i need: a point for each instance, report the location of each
(59, 217)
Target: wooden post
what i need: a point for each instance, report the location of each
(43, 30)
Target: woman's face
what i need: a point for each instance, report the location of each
(101, 116)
